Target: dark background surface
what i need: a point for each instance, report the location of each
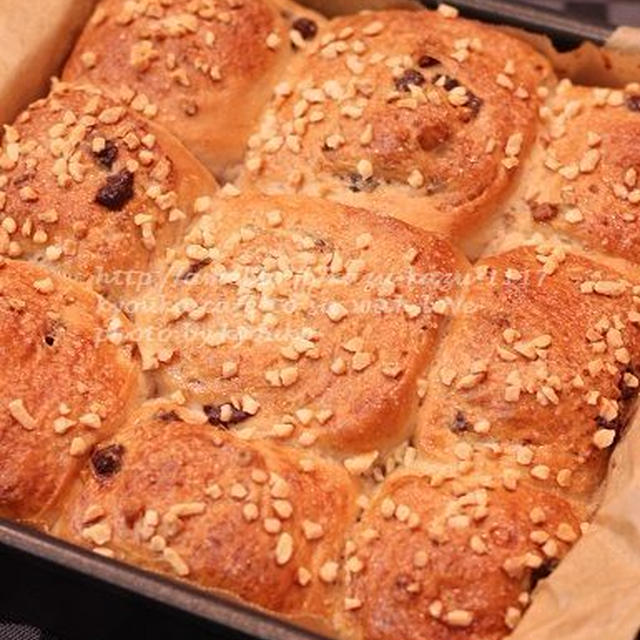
(39, 602)
(598, 11)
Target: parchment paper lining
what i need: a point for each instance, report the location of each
(595, 592)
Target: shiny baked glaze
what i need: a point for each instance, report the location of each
(542, 357)
(253, 504)
(458, 566)
(67, 381)
(321, 314)
(203, 70)
(349, 99)
(582, 180)
(358, 432)
(51, 178)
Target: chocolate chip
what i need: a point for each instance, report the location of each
(108, 460)
(306, 28)
(117, 191)
(214, 414)
(633, 102)
(194, 268)
(424, 62)
(542, 572)
(357, 183)
(474, 104)
(460, 423)
(167, 416)
(107, 156)
(543, 211)
(411, 77)
(449, 82)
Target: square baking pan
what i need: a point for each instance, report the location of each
(64, 570)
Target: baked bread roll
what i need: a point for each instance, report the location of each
(202, 69)
(299, 319)
(582, 178)
(455, 560)
(190, 500)
(67, 380)
(411, 114)
(93, 190)
(539, 368)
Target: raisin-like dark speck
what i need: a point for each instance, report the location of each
(108, 155)
(306, 28)
(449, 82)
(543, 211)
(321, 244)
(541, 572)
(214, 415)
(402, 581)
(460, 423)
(474, 103)
(167, 416)
(194, 269)
(117, 191)
(424, 62)
(411, 77)
(617, 424)
(633, 103)
(357, 183)
(108, 460)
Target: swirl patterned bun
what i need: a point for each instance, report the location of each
(81, 178)
(455, 560)
(407, 113)
(202, 69)
(582, 179)
(262, 522)
(543, 362)
(67, 380)
(300, 319)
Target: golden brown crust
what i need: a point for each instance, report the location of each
(313, 318)
(194, 501)
(540, 358)
(66, 383)
(583, 178)
(354, 430)
(81, 179)
(204, 70)
(436, 563)
(372, 115)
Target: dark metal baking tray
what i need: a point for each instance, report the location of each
(565, 32)
(210, 612)
(159, 589)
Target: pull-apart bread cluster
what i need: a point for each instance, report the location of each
(294, 389)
